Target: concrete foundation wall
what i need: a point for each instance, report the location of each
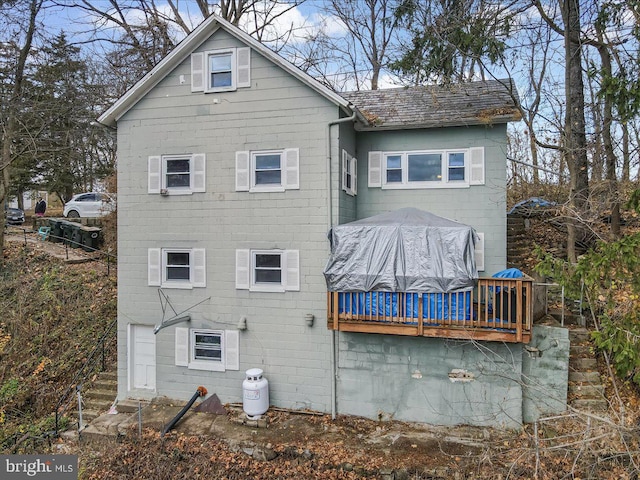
(406, 378)
(545, 372)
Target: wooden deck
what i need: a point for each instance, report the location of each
(497, 309)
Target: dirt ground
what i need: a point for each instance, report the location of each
(307, 445)
(283, 444)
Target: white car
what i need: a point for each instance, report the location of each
(89, 205)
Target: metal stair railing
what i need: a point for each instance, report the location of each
(96, 358)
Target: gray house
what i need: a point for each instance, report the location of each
(233, 166)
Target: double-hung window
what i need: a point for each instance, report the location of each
(205, 349)
(221, 70)
(267, 270)
(176, 267)
(181, 174)
(267, 170)
(349, 173)
(450, 168)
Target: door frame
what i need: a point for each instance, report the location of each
(131, 327)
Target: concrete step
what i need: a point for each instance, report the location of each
(89, 414)
(105, 384)
(581, 351)
(587, 391)
(585, 377)
(109, 375)
(130, 406)
(581, 364)
(578, 335)
(100, 404)
(100, 394)
(590, 404)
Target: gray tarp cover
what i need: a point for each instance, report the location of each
(407, 250)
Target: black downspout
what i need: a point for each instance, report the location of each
(200, 392)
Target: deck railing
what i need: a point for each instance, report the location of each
(497, 309)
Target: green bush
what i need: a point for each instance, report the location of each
(609, 279)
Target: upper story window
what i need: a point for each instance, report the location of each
(221, 70)
(176, 267)
(268, 270)
(267, 170)
(349, 173)
(452, 168)
(177, 174)
(423, 168)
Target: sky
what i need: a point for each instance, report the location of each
(305, 20)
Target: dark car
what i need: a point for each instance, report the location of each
(13, 216)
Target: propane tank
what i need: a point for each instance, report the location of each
(255, 393)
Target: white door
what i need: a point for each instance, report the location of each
(142, 358)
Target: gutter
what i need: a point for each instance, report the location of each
(334, 371)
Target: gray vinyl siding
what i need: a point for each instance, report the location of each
(277, 111)
(481, 206)
(347, 211)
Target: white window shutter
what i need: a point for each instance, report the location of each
(154, 172)
(345, 158)
(243, 178)
(199, 172)
(232, 350)
(197, 72)
(479, 252)
(292, 263)
(182, 347)
(243, 266)
(476, 166)
(154, 266)
(291, 169)
(375, 169)
(199, 268)
(243, 60)
(354, 175)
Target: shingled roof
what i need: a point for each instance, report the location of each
(475, 103)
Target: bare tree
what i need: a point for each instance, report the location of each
(145, 29)
(349, 48)
(28, 22)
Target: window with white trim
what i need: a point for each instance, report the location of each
(268, 270)
(205, 349)
(177, 174)
(176, 267)
(221, 70)
(267, 170)
(349, 173)
(450, 168)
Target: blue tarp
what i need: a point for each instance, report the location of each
(435, 306)
(508, 273)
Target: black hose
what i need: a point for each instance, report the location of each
(200, 392)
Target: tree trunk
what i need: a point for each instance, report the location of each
(607, 141)
(575, 129)
(626, 161)
(12, 110)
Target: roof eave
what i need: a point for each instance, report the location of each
(465, 122)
